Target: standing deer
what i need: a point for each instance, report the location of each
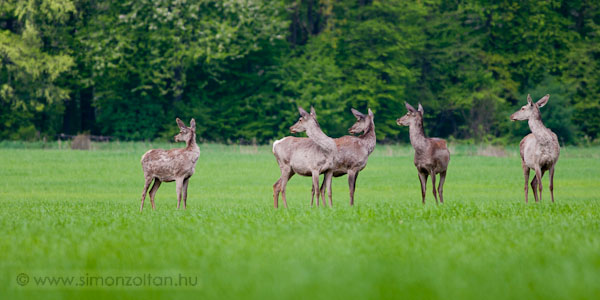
(539, 149)
(305, 156)
(172, 165)
(431, 154)
(353, 152)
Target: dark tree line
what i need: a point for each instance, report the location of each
(128, 68)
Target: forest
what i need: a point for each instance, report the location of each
(126, 69)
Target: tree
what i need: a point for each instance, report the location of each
(143, 60)
(31, 63)
(581, 67)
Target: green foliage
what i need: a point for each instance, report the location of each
(460, 85)
(241, 68)
(31, 64)
(377, 45)
(582, 69)
(148, 65)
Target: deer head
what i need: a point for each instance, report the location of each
(413, 116)
(530, 109)
(185, 133)
(363, 122)
(306, 120)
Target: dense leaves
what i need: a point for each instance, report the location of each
(241, 67)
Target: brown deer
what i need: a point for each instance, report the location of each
(539, 149)
(353, 152)
(431, 154)
(172, 165)
(305, 156)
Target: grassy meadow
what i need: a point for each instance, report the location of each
(76, 213)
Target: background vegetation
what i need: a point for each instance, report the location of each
(240, 67)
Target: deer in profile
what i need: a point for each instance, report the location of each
(305, 156)
(172, 165)
(353, 152)
(539, 149)
(431, 154)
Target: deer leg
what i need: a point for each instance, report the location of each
(315, 182)
(146, 185)
(321, 190)
(423, 180)
(552, 183)
(328, 177)
(541, 176)
(312, 195)
(184, 191)
(538, 175)
(276, 190)
(534, 185)
(526, 175)
(153, 190)
(441, 186)
(354, 185)
(179, 185)
(284, 179)
(433, 183)
(351, 185)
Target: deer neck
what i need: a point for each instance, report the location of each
(321, 139)
(542, 133)
(191, 144)
(369, 138)
(417, 136)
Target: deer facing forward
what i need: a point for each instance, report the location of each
(539, 149)
(172, 165)
(431, 154)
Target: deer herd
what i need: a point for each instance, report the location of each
(320, 154)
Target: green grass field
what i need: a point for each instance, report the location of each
(76, 213)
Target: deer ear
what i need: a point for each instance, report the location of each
(313, 112)
(421, 109)
(409, 107)
(357, 113)
(302, 111)
(193, 124)
(529, 99)
(543, 101)
(180, 123)
(370, 113)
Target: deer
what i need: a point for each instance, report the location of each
(540, 149)
(310, 156)
(431, 154)
(172, 165)
(353, 152)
